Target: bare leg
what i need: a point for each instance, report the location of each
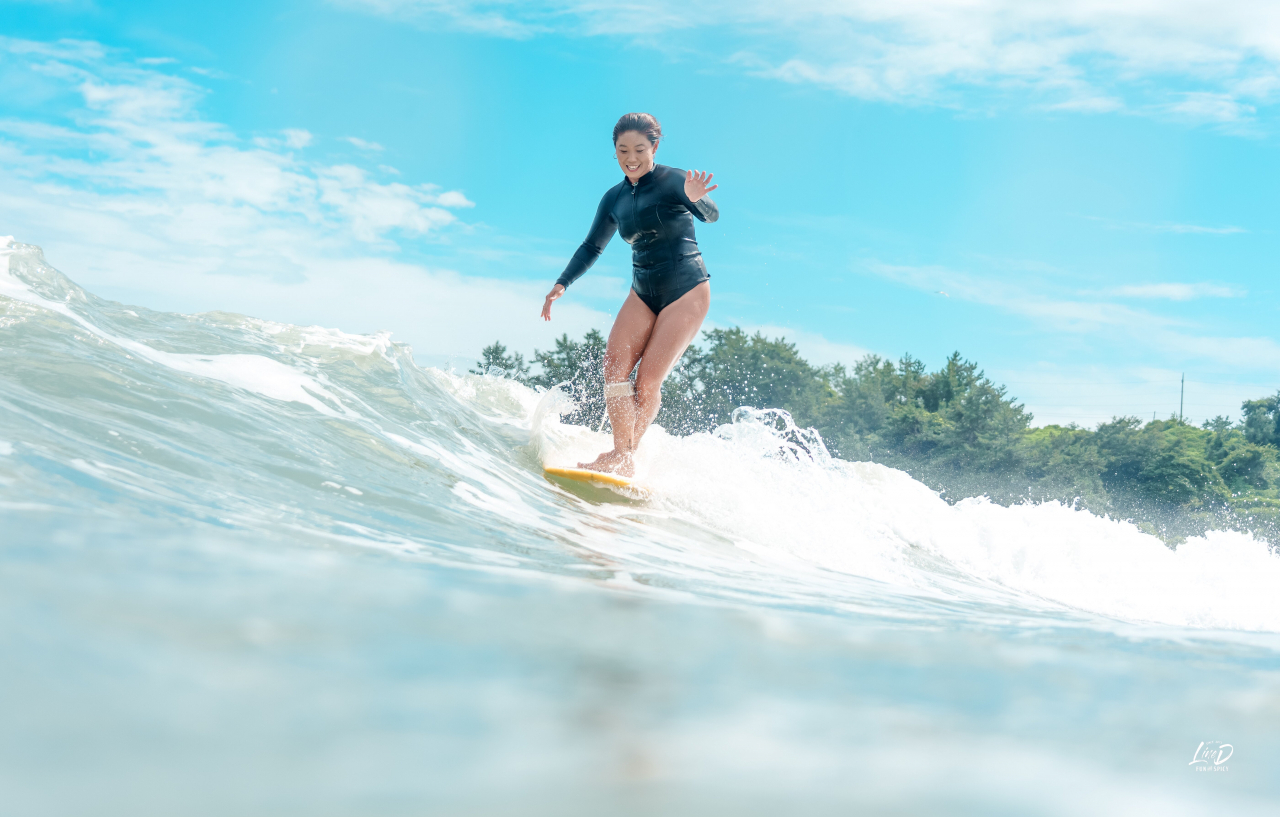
(627, 339)
(657, 343)
(673, 331)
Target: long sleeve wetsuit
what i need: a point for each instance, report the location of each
(655, 217)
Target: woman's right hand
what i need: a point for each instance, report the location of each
(556, 292)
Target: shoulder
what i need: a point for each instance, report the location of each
(611, 194)
(667, 173)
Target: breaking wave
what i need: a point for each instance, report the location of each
(220, 419)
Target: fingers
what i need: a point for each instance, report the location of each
(696, 184)
(556, 292)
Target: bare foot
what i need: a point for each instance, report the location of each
(612, 462)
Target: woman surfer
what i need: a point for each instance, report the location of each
(653, 208)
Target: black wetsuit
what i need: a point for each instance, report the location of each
(656, 218)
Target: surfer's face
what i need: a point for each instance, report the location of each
(635, 154)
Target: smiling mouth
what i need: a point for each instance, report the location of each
(632, 168)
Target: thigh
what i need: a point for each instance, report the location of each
(627, 339)
(673, 331)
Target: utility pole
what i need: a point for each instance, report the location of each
(1182, 394)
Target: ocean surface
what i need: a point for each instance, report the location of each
(248, 568)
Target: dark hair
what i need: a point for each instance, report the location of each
(641, 122)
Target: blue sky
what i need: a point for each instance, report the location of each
(1080, 196)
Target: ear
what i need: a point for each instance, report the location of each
(654, 149)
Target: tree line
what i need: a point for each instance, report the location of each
(957, 431)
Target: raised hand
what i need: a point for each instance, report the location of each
(695, 184)
(556, 292)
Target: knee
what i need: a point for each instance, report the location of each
(648, 389)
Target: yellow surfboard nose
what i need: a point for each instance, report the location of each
(598, 478)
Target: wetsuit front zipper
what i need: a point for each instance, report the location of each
(635, 218)
(662, 254)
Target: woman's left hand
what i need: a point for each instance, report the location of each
(695, 184)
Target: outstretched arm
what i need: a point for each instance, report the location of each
(602, 229)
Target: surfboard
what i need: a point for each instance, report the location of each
(597, 478)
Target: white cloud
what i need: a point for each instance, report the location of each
(1064, 314)
(813, 347)
(1088, 104)
(153, 155)
(1186, 229)
(362, 144)
(139, 198)
(453, 198)
(1222, 56)
(1055, 311)
(1176, 291)
(1088, 395)
(1196, 228)
(375, 209)
(1202, 106)
(498, 18)
(211, 73)
(297, 138)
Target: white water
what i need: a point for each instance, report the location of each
(870, 521)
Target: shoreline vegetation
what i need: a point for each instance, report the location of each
(957, 432)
